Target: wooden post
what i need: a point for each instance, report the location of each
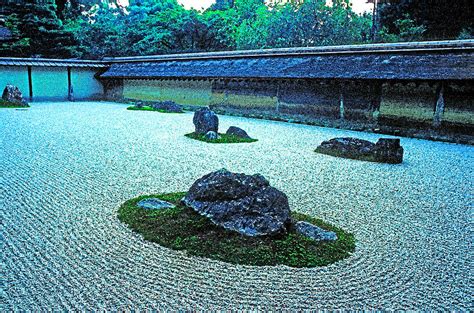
(439, 107)
(341, 101)
(376, 100)
(30, 83)
(278, 98)
(70, 91)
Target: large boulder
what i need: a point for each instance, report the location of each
(238, 132)
(243, 203)
(205, 120)
(385, 150)
(13, 95)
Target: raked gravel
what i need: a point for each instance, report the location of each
(66, 168)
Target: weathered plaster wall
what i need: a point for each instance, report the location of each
(15, 75)
(313, 99)
(85, 85)
(49, 83)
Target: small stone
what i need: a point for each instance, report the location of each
(314, 232)
(238, 132)
(155, 204)
(205, 120)
(243, 203)
(210, 135)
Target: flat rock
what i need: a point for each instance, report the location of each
(155, 204)
(169, 106)
(238, 132)
(243, 203)
(205, 120)
(386, 150)
(314, 232)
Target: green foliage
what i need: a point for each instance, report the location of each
(182, 228)
(224, 138)
(406, 30)
(94, 29)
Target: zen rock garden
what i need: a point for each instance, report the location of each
(386, 150)
(160, 106)
(206, 125)
(13, 98)
(237, 218)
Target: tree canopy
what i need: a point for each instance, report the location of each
(92, 29)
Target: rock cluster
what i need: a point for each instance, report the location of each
(206, 123)
(243, 203)
(169, 106)
(386, 150)
(13, 95)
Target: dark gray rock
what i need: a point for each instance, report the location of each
(388, 151)
(238, 132)
(314, 232)
(154, 204)
(205, 120)
(347, 147)
(13, 95)
(210, 135)
(243, 203)
(385, 150)
(139, 105)
(169, 106)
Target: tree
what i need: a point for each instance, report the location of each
(441, 19)
(39, 32)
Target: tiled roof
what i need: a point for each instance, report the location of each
(51, 62)
(448, 60)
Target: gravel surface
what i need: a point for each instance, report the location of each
(66, 168)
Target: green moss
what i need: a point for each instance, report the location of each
(147, 108)
(11, 105)
(223, 139)
(181, 228)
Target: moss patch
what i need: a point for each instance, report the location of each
(148, 108)
(181, 228)
(11, 105)
(224, 138)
